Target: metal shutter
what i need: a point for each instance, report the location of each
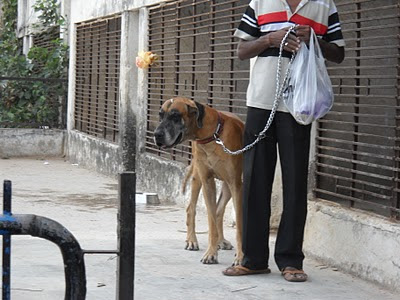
(194, 40)
(358, 142)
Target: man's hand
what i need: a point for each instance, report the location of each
(330, 51)
(303, 32)
(292, 43)
(249, 49)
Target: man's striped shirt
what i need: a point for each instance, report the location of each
(264, 16)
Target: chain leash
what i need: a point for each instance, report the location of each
(278, 95)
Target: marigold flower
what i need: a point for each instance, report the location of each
(146, 59)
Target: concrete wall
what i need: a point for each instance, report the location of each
(92, 9)
(354, 241)
(31, 142)
(93, 153)
(26, 18)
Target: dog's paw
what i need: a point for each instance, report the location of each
(192, 246)
(225, 245)
(209, 259)
(238, 259)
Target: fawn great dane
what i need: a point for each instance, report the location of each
(182, 119)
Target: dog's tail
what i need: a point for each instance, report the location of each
(188, 175)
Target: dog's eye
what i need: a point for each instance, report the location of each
(161, 115)
(175, 117)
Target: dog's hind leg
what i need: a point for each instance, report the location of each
(191, 239)
(223, 200)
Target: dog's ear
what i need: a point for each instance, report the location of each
(199, 111)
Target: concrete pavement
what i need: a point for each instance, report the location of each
(86, 204)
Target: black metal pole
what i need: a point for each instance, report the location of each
(6, 281)
(42, 227)
(126, 235)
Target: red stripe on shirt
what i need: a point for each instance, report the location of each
(272, 18)
(319, 28)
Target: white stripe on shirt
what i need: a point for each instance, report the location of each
(250, 19)
(332, 26)
(275, 26)
(248, 22)
(334, 29)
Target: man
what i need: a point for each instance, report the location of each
(261, 31)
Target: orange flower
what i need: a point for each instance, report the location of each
(146, 59)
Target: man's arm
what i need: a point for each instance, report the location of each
(250, 49)
(332, 52)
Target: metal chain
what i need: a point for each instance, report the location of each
(278, 95)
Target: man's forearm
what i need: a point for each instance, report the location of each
(332, 52)
(250, 49)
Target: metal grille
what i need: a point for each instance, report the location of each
(358, 143)
(194, 40)
(44, 39)
(97, 78)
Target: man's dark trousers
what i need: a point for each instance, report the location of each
(293, 141)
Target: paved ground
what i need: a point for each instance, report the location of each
(85, 203)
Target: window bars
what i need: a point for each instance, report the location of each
(98, 47)
(194, 40)
(358, 142)
(44, 39)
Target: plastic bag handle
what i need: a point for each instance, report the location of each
(314, 45)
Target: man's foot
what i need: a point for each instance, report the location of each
(240, 271)
(294, 275)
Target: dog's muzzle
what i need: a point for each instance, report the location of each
(164, 139)
(159, 138)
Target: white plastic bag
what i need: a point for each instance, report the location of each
(308, 95)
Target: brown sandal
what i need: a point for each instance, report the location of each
(294, 275)
(240, 271)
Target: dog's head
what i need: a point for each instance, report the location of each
(179, 120)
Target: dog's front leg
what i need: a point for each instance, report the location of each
(191, 239)
(209, 191)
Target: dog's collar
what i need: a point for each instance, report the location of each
(217, 133)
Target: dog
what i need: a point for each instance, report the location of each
(182, 119)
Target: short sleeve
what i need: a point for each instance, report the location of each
(334, 32)
(248, 28)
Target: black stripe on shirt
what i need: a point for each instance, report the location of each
(250, 13)
(333, 19)
(275, 52)
(243, 26)
(334, 36)
(255, 32)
